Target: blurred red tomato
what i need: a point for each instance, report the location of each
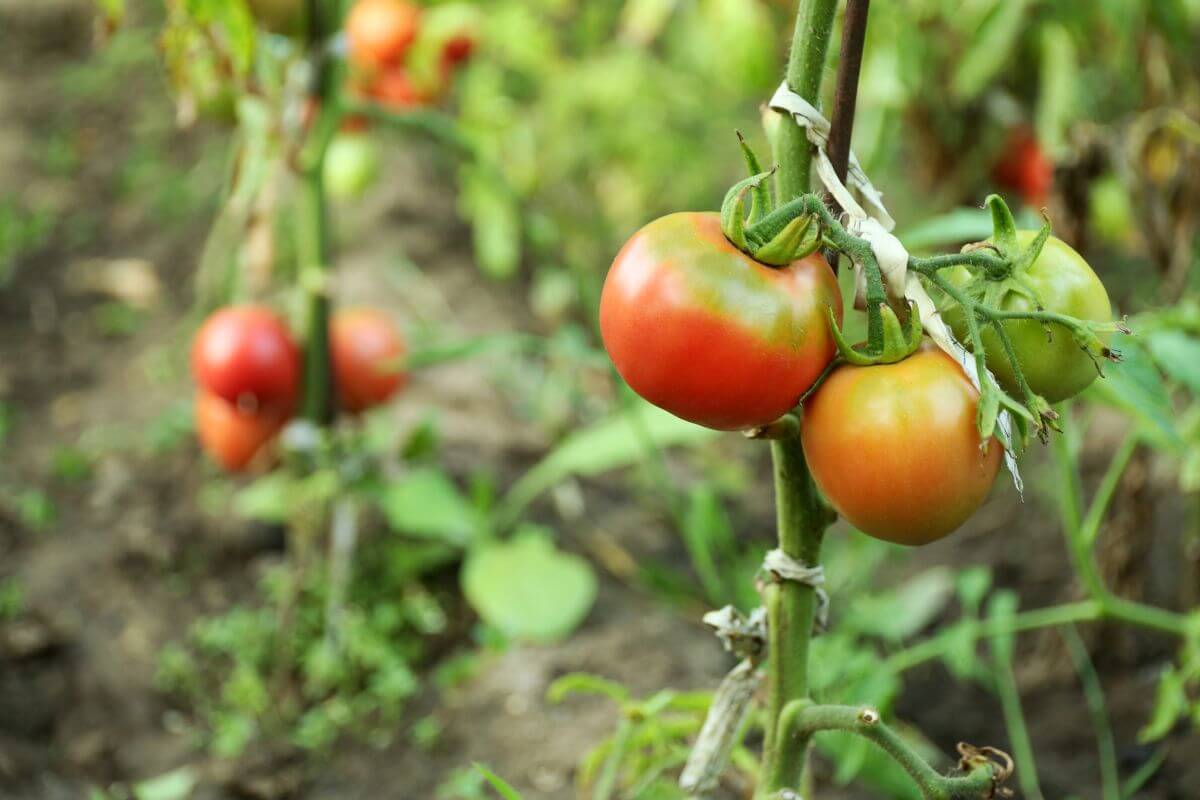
(1025, 168)
(247, 352)
(379, 32)
(395, 89)
(366, 350)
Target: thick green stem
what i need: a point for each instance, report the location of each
(791, 610)
(806, 70)
(802, 517)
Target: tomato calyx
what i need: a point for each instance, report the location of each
(768, 234)
(900, 339)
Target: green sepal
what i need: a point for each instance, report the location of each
(1004, 227)
(733, 209)
(899, 341)
(801, 237)
(989, 412)
(1025, 259)
(761, 203)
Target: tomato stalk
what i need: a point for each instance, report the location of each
(802, 516)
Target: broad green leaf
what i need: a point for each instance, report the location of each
(989, 50)
(276, 496)
(1178, 355)
(174, 785)
(954, 227)
(903, 612)
(630, 436)
(426, 503)
(527, 588)
(1134, 385)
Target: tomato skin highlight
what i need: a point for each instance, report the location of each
(247, 351)
(379, 32)
(707, 333)
(233, 437)
(1058, 368)
(895, 448)
(365, 348)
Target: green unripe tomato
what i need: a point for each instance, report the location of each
(1110, 210)
(1057, 368)
(351, 165)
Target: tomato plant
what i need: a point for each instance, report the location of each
(379, 32)
(366, 350)
(1055, 364)
(895, 449)
(704, 331)
(233, 436)
(247, 352)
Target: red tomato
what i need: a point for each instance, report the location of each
(394, 88)
(702, 330)
(895, 448)
(379, 32)
(247, 351)
(366, 350)
(1025, 168)
(457, 49)
(233, 437)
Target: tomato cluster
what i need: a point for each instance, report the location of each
(248, 367)
(399, 60)
(700, 328)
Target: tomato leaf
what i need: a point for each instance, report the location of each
(1057, 102)
(989, 50)
(495, 223)
(952, 228)
(174, 785)
(527, 588)
(621, 440)
(1178, 354)
(1136, 386)
(426, 503)
(501, 786)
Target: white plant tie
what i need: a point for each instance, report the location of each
(783, 567)
(875, 226)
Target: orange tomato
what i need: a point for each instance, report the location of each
(366, 350)
(379, 32)
(231, 436)
(895, 448)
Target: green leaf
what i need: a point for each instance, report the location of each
(627, 438)
(276, 496)
(1134, 385)
(585, 683)
(989, 50)
(426, 503)
(495, 223)
(903, 612)
(1058, 83)
(1170, 704)
(954, 227)
(527, 588)
(174, 785)
(499, 784)
(1178, 355)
